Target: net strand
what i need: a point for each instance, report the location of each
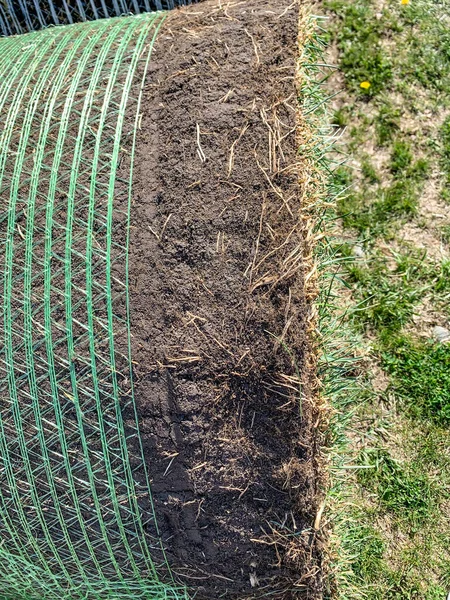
(76, 514)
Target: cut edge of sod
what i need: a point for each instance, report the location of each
(334, 351)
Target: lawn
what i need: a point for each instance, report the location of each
(393, 233)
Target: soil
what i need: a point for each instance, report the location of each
(218, 314)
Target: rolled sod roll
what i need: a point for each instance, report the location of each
(158, 429)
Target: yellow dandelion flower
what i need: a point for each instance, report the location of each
(365, 85)
(405, 1)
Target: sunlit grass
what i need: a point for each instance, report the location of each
(398, 138)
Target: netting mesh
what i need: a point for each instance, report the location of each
(20, 16)
(76, 518)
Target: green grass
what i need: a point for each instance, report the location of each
(368, 171)
(387, 123)
(362, 58)
(389, 289)
(379, 578)
(420, 373)
(445, 232)
(362, 28)
(399, 490)
(385, 302)
(340, 118)
(445, 137)
(401, 157)
(372, 212)
(398, 134)
(368, 560)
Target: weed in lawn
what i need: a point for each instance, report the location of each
(360, 63)
(362, 57)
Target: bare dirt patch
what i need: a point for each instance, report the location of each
(219, 331)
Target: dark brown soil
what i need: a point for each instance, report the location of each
(218, 312)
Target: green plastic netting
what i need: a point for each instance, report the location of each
(76, 517)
